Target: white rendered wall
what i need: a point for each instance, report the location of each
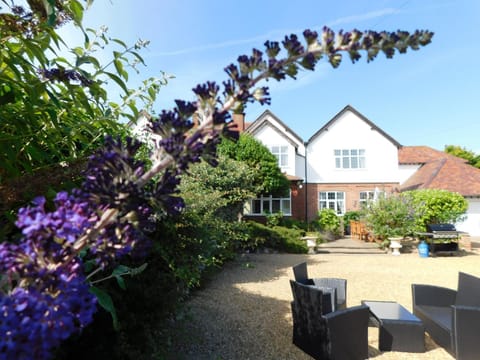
(299, 166)
(271, 137)
(287, 134)
(471, 224)
(406, 171)
(351, 132)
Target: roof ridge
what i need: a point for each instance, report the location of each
(434, 173)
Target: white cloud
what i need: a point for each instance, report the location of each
(275, 34)
(363, 17)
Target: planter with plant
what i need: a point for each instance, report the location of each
(391, 217)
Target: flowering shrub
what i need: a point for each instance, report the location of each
(392, 216)
(45, 294)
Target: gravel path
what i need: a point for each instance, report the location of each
(244, 311)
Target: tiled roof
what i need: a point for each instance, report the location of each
(422, 155)
(439, 170)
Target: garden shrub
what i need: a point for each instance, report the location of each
(292, 223)
(392, 216)
(278, 238)
(274, 219)
(329, 222)
(291, 240)
(437, 206)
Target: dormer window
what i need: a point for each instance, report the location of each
(349, 158)
(281, 153)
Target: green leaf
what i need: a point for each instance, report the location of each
(138, 270)
(105, 301)
(87, 60)
(121, 270)
(118, 41)
(121, 282)
(77, 11)
(120, 69)
(139, 58)
(50, 10)
(78, 51)
(118, 81)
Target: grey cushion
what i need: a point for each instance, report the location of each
(442, 315)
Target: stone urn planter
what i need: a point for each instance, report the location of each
(395, 245)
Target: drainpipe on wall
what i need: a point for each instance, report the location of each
(306, 184)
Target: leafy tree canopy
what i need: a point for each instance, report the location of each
(461, 152)
(268, 175)
(219, 191)
(54, 108)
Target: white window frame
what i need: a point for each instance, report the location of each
(281, 153)
(349, 158)
(335, 200)
(264, 205)
(368, 197)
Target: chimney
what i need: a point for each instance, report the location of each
(239, 122)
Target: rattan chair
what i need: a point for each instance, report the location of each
(339, 335)
(336, 287)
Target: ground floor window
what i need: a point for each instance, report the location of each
(332, 200)
(365, 198)
(268, 205)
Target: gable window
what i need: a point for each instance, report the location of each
(332, 200)
(349, 158)
(281, 153)
(268, 205)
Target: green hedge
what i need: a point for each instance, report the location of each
(279, 238)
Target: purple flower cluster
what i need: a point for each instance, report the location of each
(110, 182)
(34, 321)
(44, 298)
(65, 75)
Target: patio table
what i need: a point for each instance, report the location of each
(399, 329)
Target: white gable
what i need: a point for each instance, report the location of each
(275, 135)
(351, 132)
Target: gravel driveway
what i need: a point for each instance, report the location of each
(243, 312)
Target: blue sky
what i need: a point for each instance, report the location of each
(427, 97)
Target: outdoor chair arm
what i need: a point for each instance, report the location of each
(466, 327)
(351, 343)
(432, 295)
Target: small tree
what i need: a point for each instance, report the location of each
(268, 175)
(219, 191)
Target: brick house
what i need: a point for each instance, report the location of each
(348, 160)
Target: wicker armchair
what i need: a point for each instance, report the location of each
(451, 317)
(340, 335)
(334, 289)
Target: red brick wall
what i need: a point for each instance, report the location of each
(352, 196)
